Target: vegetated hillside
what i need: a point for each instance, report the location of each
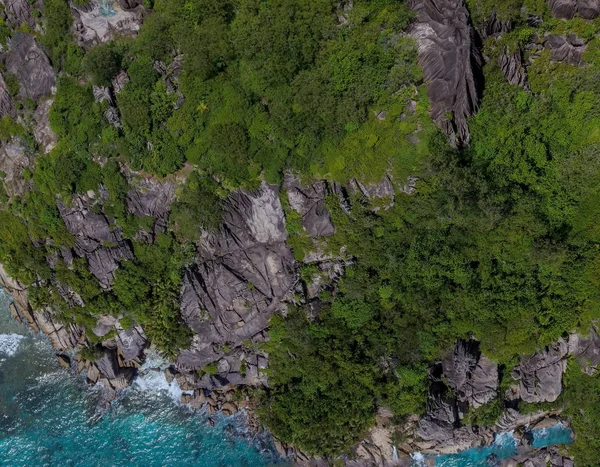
(132, 218)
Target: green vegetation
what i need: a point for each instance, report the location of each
(500, 241)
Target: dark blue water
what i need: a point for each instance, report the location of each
(49, 417)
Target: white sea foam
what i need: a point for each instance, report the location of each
(506, 438)
(155, 381)
(9, 343)
(418, 459)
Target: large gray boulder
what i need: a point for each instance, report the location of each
(587, 351)
(309, 202)
(107, 364)
(153, 198)
(241, 275)
(471, 375)
(451, 61)
(540, 375)
(567, 9)
(528, 456)
(131, 342)
(567, 49)
(97, 238)
(19, 12)
(30, 64)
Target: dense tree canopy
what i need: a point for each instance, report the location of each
(499, 242)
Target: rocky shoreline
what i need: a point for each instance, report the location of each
(246, 272)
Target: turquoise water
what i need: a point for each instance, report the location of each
(107, 8)
(557, 434)
(50, 417)
(505, 446)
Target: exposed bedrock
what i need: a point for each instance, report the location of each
(531, 457)
(95, 22)
(567, 49)
(471, 375)
(42, 131)
(567, 9)
(241, 275)
(309, 202)
(97, 239)
(30, 64)
(13, 162)
(6, 102)
(540, 375)
(452, 63)
(511, 64)
(586, 351)
(152, 198)
(380, 194)
(494, 26)
(464, 378)
(19, 12)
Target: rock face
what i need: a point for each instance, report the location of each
(512, 66)
(587, 351)
(41, 130)
(241, 275)
(567, 49)
(473, 377)
(540, 375)
(131, 342)
(97, 239)
(151, 198)
(27, 60)
(451, 61)
(464, 378)
(529, 457)
(380, 194)
(6, 103)
(13, 162)
(96, 23)
(61, 337)
(19, 12)
(309, 202)
(494, 26)
(567, 9)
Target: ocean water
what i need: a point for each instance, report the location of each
(50, 417)
(557, 434)
(505, 446)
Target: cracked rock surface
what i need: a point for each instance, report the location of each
(309, 202)
(28, 61)
(567, 9)
(241, 275)
(470, 374)
(567, 49)
(451, 61)
(513, 68)
(540, 375)
(97, 239)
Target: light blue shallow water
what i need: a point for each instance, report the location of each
(49, 417)
(505, 446)
(557, 434)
